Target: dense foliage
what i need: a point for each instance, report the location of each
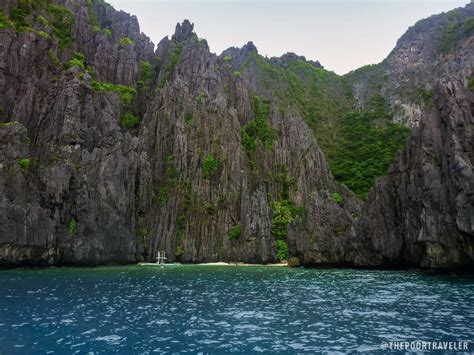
(210, 166)
(125, 41)
(258, 130)
(125, 93)
(360, 145)
(43, 17)
(322, 97)
(24, 165)
(367, 147)
(282, 248)
(234, 233)
(146, 75)
(283, 213)
(457, 27)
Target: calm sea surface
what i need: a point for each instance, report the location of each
(217, 309)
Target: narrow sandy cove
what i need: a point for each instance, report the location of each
(220, 263)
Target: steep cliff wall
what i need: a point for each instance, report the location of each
(436, 47)
(68, 167)
(113, 152)
(422, 213)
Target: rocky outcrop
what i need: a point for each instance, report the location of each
(422, 213)
(89, 187)
(68, 167)
(437, 47)
(240, 55)
(183, 31)
(112, 151)
(290, 57)
(200, 113)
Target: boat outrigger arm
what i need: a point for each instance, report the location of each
(160, 261)
(161, 258)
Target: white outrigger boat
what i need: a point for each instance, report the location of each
(160, 261)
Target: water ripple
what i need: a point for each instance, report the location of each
(228, 309)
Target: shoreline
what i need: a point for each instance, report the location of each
(222, 263)
(219, 263)
(451, 272)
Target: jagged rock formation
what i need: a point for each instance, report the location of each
(289, 57)
(201, 113)
(72, 199)
(82, 183)
(422, 213)
(112, 151)
(433, 48)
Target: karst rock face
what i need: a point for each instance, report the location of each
(74, 201)
(113, 150)
(440, 46)
(96, 191)
(422, 213)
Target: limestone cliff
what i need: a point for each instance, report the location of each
(422, 213)
(435, 47)
(111, 152)
(112, 149)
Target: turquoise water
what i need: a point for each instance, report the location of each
(227, 309)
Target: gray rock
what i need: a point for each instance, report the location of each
(79, 187)
(422, 56)
(285, 59)
(183, 31)
(422, 213)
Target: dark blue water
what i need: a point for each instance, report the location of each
(220, 309)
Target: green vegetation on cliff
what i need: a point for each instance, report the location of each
(171, 181)
(129, 120)
(92, 17)
(210, 166)
(367, 147)
(146, 75)
(126, 94)
(125, 41)
(62, 23)
(234, 232)
(4, 21)
(336, 197)
(359, 146)
(284, 212)
(457, 27)
(173, 58)
(72, 226)
(43, 17)
(321, 97)
(258, 130)
(19, 16)
(24, 165)
(77, 60)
